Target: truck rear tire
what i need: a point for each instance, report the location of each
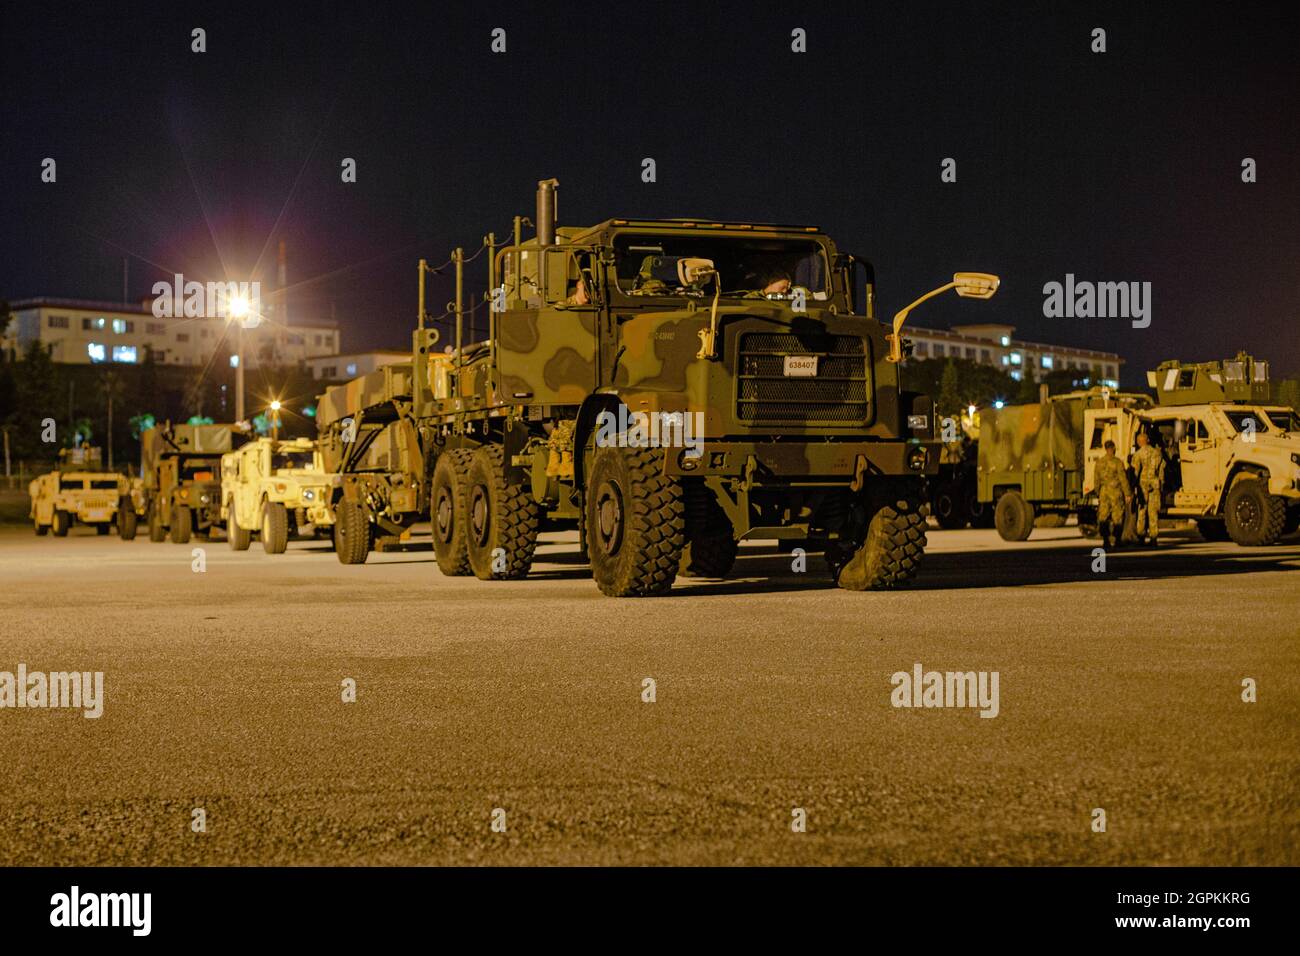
(62, 524)
(448, 511)
(1212, 529)
(238, 538)
(182, 525)
(1014, 517)
(948, 507)
(127, 522)
(275, 527)
(41, 529)
(353, 533)
(635, 521)
(157, 533)
(1253, 516)
(501, 520)
(711, 545)
(891, 551)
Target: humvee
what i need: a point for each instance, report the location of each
(79, 490)
(181, 468)
(274, 487)
(670, 387)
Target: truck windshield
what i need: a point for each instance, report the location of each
(747, 266)
(104, 484)
(1238, 419)
(71, 484)
(198, 470)
(291, 459)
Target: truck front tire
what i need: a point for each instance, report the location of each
(353, 534)
(635, 523)
(238, 538)
(1253, 516)
(1014, 517)
(127, 521)
(182, 525)
(501, 520)
(157, 533)
(890, 553)
(275, 527)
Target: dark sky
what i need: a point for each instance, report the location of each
(1123, 166)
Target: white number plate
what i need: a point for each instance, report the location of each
(801, 365)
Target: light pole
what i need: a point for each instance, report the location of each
(239, 310)
(969, 285)
(275, 419)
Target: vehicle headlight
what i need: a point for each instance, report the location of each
(203, 499)
(308, 494)
(1295, 458)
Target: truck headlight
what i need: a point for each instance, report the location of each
(308, 494)
(203, 499)
(916, 460)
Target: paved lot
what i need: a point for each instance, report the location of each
(1118, 690)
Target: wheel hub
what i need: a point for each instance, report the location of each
(609, 517)
(443, 514)
(478, 514)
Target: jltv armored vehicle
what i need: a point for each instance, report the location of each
(669, 386)
(181, 468)
(80, 490)
(273, 487)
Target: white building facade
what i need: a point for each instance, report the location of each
(995, 345)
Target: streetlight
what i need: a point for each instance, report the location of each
(275, 419)
(238, 308)
(969, 285)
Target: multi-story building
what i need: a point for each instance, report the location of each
(994, 345)
(84, 332)
(335, 368)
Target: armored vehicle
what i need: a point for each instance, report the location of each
(79, 490)
(1232, 459)
(669, 386)
(181, 469)
(273, 487)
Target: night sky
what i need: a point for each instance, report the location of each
(1124, 166)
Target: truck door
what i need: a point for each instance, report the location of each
(1198, 457)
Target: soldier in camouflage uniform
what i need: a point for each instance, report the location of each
(1149, 472)
(1114, 495)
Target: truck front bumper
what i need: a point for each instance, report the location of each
(805, 462)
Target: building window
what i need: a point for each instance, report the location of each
(92, 324)
(986, 355)
(155, 328)
(57, 322)
(183, 337)
(1016, 374)
(1047, 361)
(1005, 340)
(351, 369)
(970, 352)
(1110, 371)
(318, 340)
(922, 348)
(329, 371)
(96, 352)
(938, 349)
(203, 333)
(1015, 358)
(122, 326)
(124, 353)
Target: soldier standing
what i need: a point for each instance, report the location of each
(1149, 471)
(1113, 496)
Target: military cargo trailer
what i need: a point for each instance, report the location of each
(745, 342)
(1032, 460)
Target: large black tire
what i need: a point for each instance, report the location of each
(949, 507)
(275, 527)
(127, 522)
(62, 524)
(635, 522)
(1014, 517)
(449, 510)
(889, 555)
(353, 533)
(501, 520)
(1253, 516)
(1212, 530)
(182, 525)
(711, 544)
(103, 529)
(238, 538)
(41, 529)
(157, 533)
(1292, 520)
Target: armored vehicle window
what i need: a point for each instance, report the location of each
(103, 483)
(1238, 420)
(1282, 420)
(647, 265)
(291, 459)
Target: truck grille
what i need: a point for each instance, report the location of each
(837, 393)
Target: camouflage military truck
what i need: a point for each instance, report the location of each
(954, 492)
(181, 470)
(273, 487)
(1036, 459)
(79, 490)
(671, 387)
(1232, 459)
